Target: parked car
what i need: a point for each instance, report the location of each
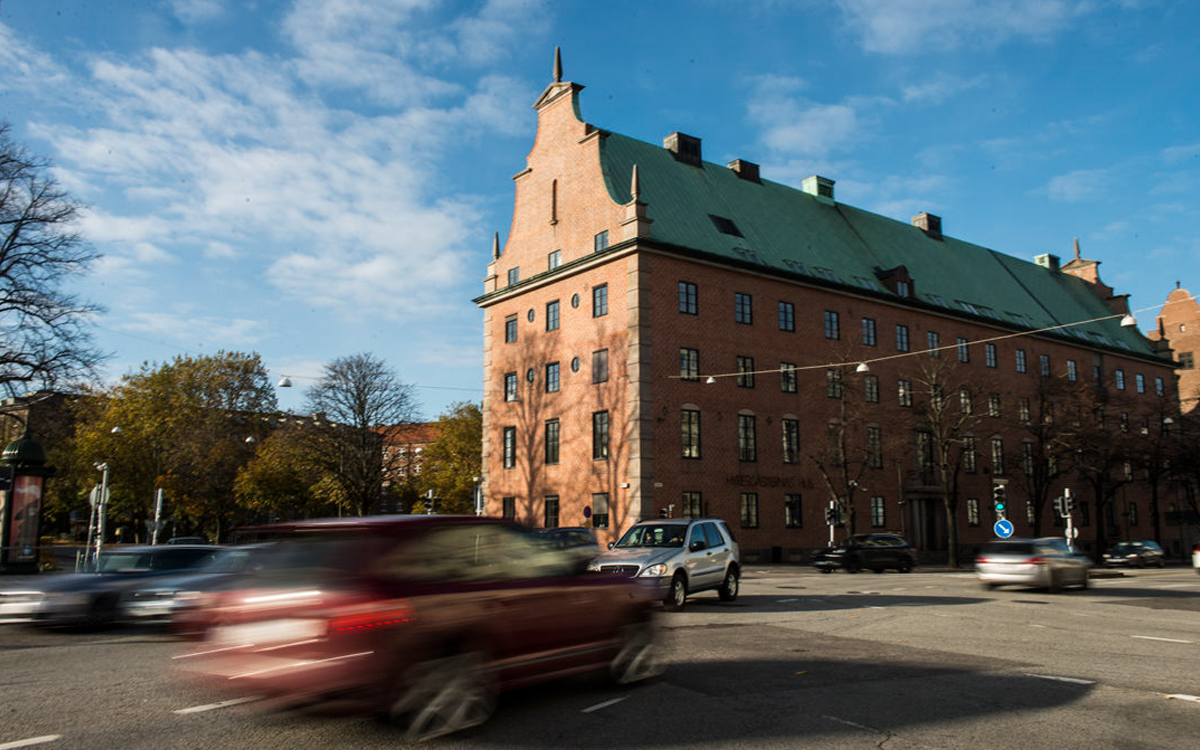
(422, 618)
(1043, 563)
(92, 600)
(1137, 554)
(166, 599)
(877, 552)
(676, 558)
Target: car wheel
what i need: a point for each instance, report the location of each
(1086, 582)
(638, 657)
(100, 615)
(906, 566)
(678, 593)
(1055, 585)
(1162, 563)
(729, 588)
(853, 565)
(826, 570)
(443, 696)
(1140, 563)
(989, 586)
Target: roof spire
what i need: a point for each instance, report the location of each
(1076, 248)
(557, 64)
(635, 185)
(496, 246)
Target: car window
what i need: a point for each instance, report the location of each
(712, 535)
(474, 552)
(1007, 548)
(653, 535)
(174, 559)
(727, 532)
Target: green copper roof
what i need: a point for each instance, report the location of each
(793, 232)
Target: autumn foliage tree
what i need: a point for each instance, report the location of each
(451, 462)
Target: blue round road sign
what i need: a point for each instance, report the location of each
(1003, 528)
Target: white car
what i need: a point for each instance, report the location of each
(1196, 558)
(1047, 563)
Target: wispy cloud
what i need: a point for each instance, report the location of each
(1082, 184)
(938, 88)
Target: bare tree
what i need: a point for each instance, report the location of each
(1051, 440)
(357, 398)
(44, 338)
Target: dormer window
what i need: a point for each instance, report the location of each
(902, 289)
(725, 226)
(897, 281)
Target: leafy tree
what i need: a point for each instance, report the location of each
(282, 482)
(451, 462)
(44, 336)
(356, 397)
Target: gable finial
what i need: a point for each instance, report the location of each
(557, 64)
(496, 246)
(1076, 248)
(635, 185)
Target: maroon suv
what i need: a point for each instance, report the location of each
(423, 618)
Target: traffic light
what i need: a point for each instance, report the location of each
(1060, 506)
(1068, 502)
(833, 517)
(998, 500)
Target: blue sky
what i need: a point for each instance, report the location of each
(309, 179)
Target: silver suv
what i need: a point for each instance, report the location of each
(678, 557)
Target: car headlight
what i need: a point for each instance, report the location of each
(594, 566)
(653, 571)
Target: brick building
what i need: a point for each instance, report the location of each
(1178, 324)
(667, 335)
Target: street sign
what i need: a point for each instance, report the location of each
(1073, 533)
(1003, 528)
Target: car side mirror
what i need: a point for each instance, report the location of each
(610, 545)
(696, 545)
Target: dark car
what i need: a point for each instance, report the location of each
(167, 599)
(877, 552)
(1137, 554)
(92, 599)
(578, 541)
(422, 618)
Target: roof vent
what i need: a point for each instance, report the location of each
(821, 187)
(684, 148)
(930, 224)
(1047, 260)
(747, 170)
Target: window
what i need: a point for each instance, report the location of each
(748, 508)
(1119, 376)
(832, 326)
(1097, 375)
(904, 392)
(793, 518)
(902, 289)
(510, 386)
(833, 383)
(1044, 365)
(689, 433)
(1027, 458)
(600, 301)
(787, 317)
(874, 447)
(508, 506)
(551, 512)
(725, 225)
(745, 372)
(994, 405)
(1159, 389)
(1186, 361)
(871, 388)
(972, 511)
(552, 316)
(743, 308)
(552, 377)
(901, 338)
(791, 441)
(689, 364)
(933, 342)
(968, 453)
(600, 366)
(1140, 380)
(600, 241)
(1133, 516)
(551, 441)
(1020, 360)
(510, 447)
(514, 275)
(877, 513)
(997, 456)
(787, 377)
(599, 510)
(964, 350)
(687, 298)
(599, 435)
(1072, 371)
(693, 505)
(965, 404)
(1023, 410)
(510, 329)
(747, 444)
(868, 331)
(989, 355)
(1124, 422)
(554, 260)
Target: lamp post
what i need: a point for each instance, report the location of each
(101, 507)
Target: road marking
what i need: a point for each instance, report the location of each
(33, 741)
(605, 704)
(1181, 697)
(1168, 640)
(785, 601)
(215, 706)
(864, 727)
(1072, 680)
(1035, 625)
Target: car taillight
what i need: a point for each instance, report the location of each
(1036, 561)
(391, 617)
(982, 561)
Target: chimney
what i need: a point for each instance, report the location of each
(930, 224)
(684, 148)
(1047, 260)
(820, 187)
(747, 170)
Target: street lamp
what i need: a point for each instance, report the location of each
(100, 508)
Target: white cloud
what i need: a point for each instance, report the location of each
(804, 128)
(1082, 184)
(938, 88)
(1180, 154)
(193, 11)
(26, 68)
(188, 331)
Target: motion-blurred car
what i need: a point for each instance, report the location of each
(1042, 563)
(92, 600)
(1196, 558)
(166, 599)
(676, 558)
(423, 618)
(578, 541)
(877, 552)
(1136, 554)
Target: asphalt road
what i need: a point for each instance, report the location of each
(800, 660)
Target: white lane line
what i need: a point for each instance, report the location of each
(215, 706)
(1181, 697)
(785, 601)
(1168, 640)
(1035, 625)
(605, 704)
(1072, 680)
(863, 727)
(31, 741)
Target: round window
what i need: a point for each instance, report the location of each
(575, 365)
(574, 300)
(529, 375)
(530, 315)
